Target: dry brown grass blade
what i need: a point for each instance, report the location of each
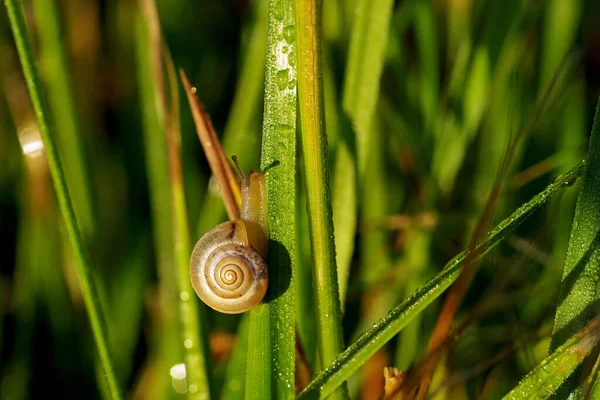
(219, 164)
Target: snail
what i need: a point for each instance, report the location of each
(227, 267)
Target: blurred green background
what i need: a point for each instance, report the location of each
(460, 78)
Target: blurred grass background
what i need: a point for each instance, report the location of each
(422, 98)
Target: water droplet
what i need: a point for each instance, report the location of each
(184, 296)
(285, 49)
(188, 343)
(277, 11)
(289, 33)
(291, 84)
(193, 388)
(281, 78)
(178, 378)
(292, 58)
(234, 385)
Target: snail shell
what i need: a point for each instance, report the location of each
(227, 273)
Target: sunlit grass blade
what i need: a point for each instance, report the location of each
(579, 294)
(88, 283)
(372, 340)
(61, 95)
(316, 169)
(551, 373)
(271, 343)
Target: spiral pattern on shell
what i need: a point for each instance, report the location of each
(226, 272)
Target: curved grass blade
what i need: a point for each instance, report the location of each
(316, 167)
(82, 260)
(372, 340)
(552, 372)
(271, 336)
(579, 295)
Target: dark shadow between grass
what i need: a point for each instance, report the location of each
(280, 274)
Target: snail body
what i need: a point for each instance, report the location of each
(227, 267)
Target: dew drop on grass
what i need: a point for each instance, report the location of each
(289, 33)
(277, 12)
(281, 78)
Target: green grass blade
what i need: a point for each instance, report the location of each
(88, 283)
(560, 32)
(372, 340)
(552, 372)
(69, 136)
(258, 360)
(168, 349)
(316, 168)
(191, 316)
(271, 354)
(343, 187)
(233, 386)
(368, 44)
(579, 294)
(343, 166)
(426, 35)
(192, 313)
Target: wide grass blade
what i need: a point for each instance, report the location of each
(84, 268)
(316, 169)
(372, 340)
(271, 343)
(579, 295)
(552, 372)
